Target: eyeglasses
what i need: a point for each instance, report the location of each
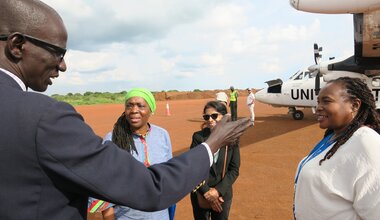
(214, 116)
(59, 52)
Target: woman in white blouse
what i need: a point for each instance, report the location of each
(340, 178)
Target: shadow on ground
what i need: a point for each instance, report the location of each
(267, 127)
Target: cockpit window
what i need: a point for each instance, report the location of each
(299, 76)
(294, 75)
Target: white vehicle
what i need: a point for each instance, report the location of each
(364, 64)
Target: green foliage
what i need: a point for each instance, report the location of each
(91, 98)
(87, 93)
(197, 90)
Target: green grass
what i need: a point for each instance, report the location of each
(91, 98)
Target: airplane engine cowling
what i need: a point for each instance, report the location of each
(335, 6)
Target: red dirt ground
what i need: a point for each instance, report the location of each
(270, 152)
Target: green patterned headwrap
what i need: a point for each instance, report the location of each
(145, 94)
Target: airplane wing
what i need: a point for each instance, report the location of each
(335, 6)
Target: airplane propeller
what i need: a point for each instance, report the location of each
(315, 68)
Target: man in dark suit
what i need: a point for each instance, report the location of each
(51, 161)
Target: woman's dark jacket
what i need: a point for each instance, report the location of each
(224, 186)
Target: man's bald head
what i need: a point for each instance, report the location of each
(33, 42)
(25, 16)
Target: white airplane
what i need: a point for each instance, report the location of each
(300, 91)
(297, 92)
(364, 64)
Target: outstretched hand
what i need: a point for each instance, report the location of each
(226, 132)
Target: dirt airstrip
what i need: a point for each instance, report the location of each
(270, 152)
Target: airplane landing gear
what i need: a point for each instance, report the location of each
(298, 115)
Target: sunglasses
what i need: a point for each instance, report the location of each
(214, 116)
(59, 52)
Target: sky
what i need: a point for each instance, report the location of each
(116, 45)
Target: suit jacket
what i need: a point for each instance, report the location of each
(51, 161)
(223, 185)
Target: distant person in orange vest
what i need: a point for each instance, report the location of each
(233, 103)
(251, 104)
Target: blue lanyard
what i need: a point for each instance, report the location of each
(319, 148)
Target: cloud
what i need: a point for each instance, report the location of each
(94, 23)
(162, 44)
(292, 32)
(90, 62)
(208, 59)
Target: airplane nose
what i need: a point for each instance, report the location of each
(294, 3)
(260, 95)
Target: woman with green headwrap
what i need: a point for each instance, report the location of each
(146, 142)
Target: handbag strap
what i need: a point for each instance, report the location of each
(225, 163)
(223, 173)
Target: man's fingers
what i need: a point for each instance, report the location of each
(225, 133)
(226, 117)
(238, 128)
(224, 120)
(243, 124)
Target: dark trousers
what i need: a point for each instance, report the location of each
(207, 214)
(233, 108)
